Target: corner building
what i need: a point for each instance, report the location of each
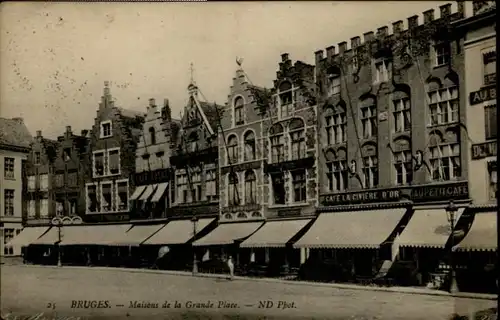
(392, 152)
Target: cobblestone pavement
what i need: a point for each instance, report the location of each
(53, 291)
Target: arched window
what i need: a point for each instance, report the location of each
(370, 165)
(336, 125)
(286, 99)
(338, 171)
(232, 149)
(444, 159)
(297, 138)
(239, 117)
(228, 216)
(242, 215)
(249, 146)
(369, 118)
(233, 196)
(152, 135)
(401, 113)
(277, 143)
(250, 187)
(256, 214)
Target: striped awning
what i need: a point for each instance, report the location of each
(50, 237)
(137, 192)
(177, 232)
(160, 191)
(356, 229)
(27, 236)
(427, 228)
(275, 234)
(227, 233)
(482, 235)
(148, 192)
(138, 234)
(93, 234)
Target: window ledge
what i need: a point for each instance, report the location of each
(289, 205)
(105, 137)
(10, 178)
(443, 124)
(440, 66)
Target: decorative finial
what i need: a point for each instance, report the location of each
(191, 70)
(239, 61)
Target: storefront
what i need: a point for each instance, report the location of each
(150, 198)
(27, 236)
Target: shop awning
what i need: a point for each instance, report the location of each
(177, 232)
(138, 234)
(427, 228)
(148, 192)
(159, 192)
(138, 191)
(357, 229)
(227, 233)
(482, 235)
(275, 234)
(93, 234)
(50, 237)
(27, 236)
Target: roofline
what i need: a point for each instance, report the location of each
(12, 147)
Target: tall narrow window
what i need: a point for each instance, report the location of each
(401, 115)
(299, 185)
(278, 185)
(490, 121)
(67, 154)
(370, 171)
(122, 192)
(298, 140)
(336, 127)
(369, 121)
(333, 84)
(277, 143)
(442, 53)
(44, 182)
(152, 135)
(232, 149)
(338, 173)
(92, 203)
(239, 117)
(31, 208)
(37, 157)
(445, 162)
(106, 129)
(44, 208)
(233, 194)
(99, 169)
(492, 171)
(286, 99)
(403, 165)
(107, 197)
(31, 182)
(8, 168)
(382, 71)
(9, 202)
(250, 187)
(196, 185)
(211, 185)
(182, 188)
(490, 67)
(249, 146)
(114, 162)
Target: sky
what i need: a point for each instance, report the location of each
(55, 57)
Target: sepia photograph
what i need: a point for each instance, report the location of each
(248, 160)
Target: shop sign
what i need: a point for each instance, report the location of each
(152, 177)
(424, 193)
(485, 94)
(483, 150)
(289, 212)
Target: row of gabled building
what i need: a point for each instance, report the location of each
(383, 132)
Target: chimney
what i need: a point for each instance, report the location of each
(106, 88)
(284, 57)
(382, 31)
(68, 129)
(355, 42)
(18, 119)
(445, 10)
(342, 47)
(330, 52)
(368, 36)
(413, 22)
(397, 27)
(39, 133)
(428, 15)
(152, 102)
(318, 55)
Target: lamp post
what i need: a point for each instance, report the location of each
(195, 263)
(451, 210)
(59, 222)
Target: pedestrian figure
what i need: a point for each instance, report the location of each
(231, 267)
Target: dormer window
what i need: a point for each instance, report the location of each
(442, 54)
(67, 154)
(152, 135)
(286, 99)
(382, 70)
(106, 130)
(239, 111)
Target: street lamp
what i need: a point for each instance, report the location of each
(58, 223)
(451, 210)
(195, 263)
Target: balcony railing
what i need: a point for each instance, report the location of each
(490, 78)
